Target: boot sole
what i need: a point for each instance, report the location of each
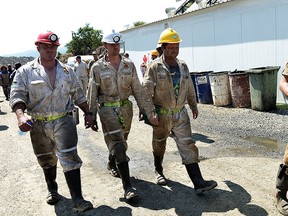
(200, 191)
(52, 198)
(161, 180)
(132, 193)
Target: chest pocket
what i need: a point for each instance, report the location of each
(126, 79)
(38, 89)
(107, 80)
(162, 80)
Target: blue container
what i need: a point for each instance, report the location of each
(203, 87)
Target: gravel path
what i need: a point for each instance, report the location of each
(240, 148)
(248, 132)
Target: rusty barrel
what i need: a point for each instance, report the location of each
(220, 88)
(240, 89)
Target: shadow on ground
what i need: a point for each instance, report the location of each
(64, 208)
(185, 202)
(202, 138)
(179, 197)
(3, 127)
(2, 113)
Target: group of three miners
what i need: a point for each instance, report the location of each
(48, 90)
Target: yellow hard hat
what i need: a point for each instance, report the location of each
(154, 52)
(169, 36)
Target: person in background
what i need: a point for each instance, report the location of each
(154, 55)
(16, 67)
(167, 86)
(48, 90)
(143, 66)
(282, 174)
(5, 80)
(9, 68)
(82, 71)
(113, 79)
(95, 58)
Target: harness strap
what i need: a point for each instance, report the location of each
(163, 111)
(48, 118)
(116, 103)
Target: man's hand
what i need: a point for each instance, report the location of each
(90, 123)
(24, 123)
(195, 113)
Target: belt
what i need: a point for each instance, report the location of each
(115, 104)
(48, 118)
(163, 111)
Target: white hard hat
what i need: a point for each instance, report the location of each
(113, 38)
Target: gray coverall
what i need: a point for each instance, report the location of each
(173, 117)
(108, 94)
(53, 132)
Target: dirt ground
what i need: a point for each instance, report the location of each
(246, 180)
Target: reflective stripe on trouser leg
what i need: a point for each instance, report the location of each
(59, 135)
(179, 125)
(43, 146)
(182, 135)
(112, 130)
(160, 134)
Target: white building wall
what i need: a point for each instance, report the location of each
(240, 34)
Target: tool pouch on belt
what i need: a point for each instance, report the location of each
(75, 114)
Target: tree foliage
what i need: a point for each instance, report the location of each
(84, 41)
(138, 23)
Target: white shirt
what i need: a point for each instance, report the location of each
(81, 69)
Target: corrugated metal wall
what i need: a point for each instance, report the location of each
(239, 34)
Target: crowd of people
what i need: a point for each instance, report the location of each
(48, 90)
(7, 73)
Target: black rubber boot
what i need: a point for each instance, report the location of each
(74, 183)
(50, 177)
(200, 185)
(160, 178)
(111, 166)
(129, 191)
(281, 189)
